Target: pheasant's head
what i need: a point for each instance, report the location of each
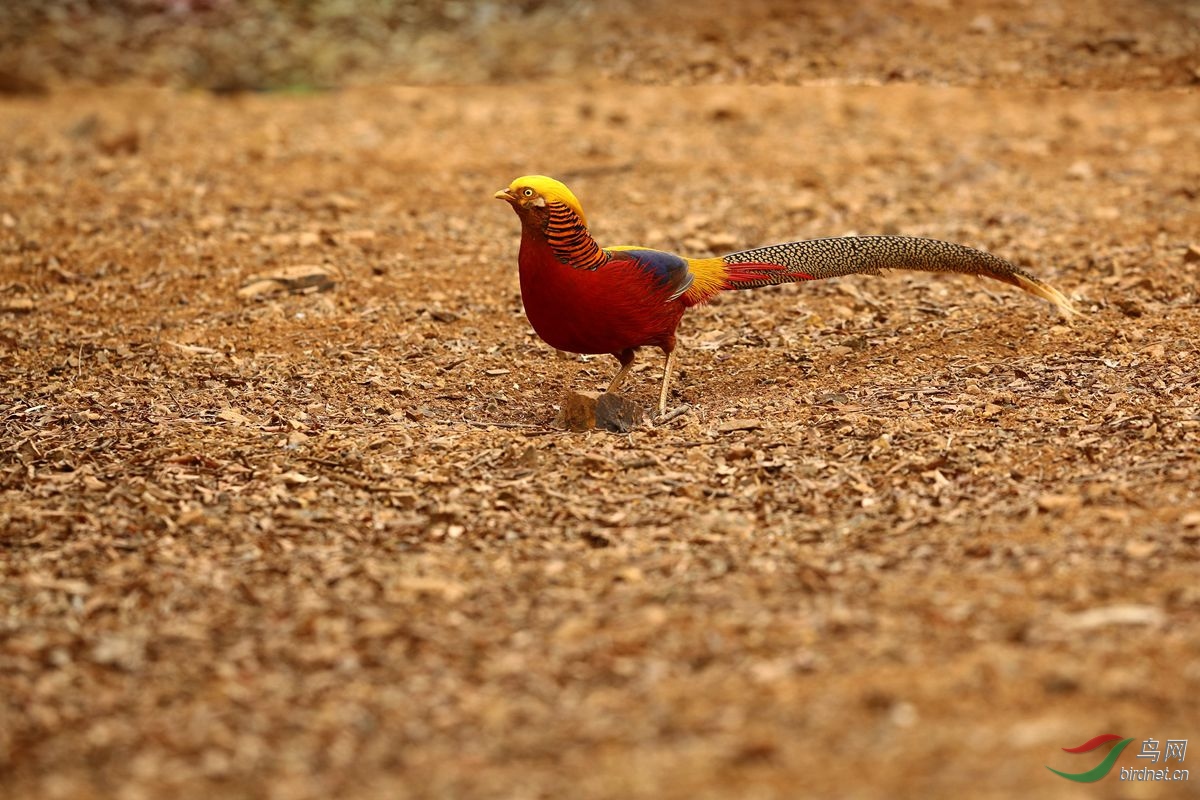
(533, 192)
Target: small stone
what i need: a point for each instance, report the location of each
(340, 202)
(278, 240)
(1140, 549)
(210, 223)
(721, 241)
(856, 343)
(1058, 503)
(904, 715)
(724, 114)
(982, 24)
(615, 413)
(302, 278)
(978, 550)
(835, 399)
(126, 652)
(738, 452)
(631, 575)
(1081, 171)
(732, 425)
(577, 412)
(259, 288)
(126, 143)
(1192, 254)
(17, 305)
(802, 200)
(1129, 306)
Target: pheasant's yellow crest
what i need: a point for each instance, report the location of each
(548, 189)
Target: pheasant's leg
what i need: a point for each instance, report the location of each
(626, 359)
(662, 396)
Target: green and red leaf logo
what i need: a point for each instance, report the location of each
(1101, 769)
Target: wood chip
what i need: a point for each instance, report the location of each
(17, 305)
(1105, 616)
(301, 278)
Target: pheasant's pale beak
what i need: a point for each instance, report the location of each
(505, 194)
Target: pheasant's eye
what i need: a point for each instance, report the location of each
(528, 192)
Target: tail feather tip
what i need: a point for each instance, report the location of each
(1050, 294)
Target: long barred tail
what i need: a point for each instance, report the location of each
(815, 259)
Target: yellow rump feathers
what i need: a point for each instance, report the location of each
(708, 278)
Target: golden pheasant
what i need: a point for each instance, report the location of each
(583, 298)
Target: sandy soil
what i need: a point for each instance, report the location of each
(913, 536)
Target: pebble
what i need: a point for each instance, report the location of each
(18, 305)
(1081, 171)
(577, 412)
(585, 411)
(617, 414)
(1129, 306)
(982, 24)
(1058, 503)
(722, 241)
(300, 278)
(1140, 549)
(732, 425)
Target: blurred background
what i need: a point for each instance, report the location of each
(262, 45)
(298, 45)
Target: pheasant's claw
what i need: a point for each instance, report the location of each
(674, 413)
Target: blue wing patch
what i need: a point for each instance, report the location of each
(668, 269)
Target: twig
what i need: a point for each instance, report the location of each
(174, 400)
(483, 424)
(674, 413)
(335, 472)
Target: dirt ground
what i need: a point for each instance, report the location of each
(913, 536)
